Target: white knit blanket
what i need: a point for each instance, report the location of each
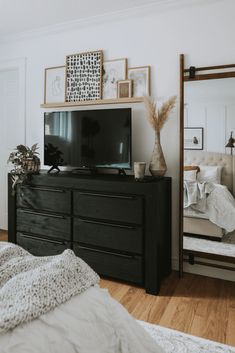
(31, 286)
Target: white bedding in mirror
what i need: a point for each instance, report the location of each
(190, 212)
(219, 208)
(210, 174)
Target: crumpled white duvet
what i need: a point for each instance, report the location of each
(195, 194)
(220, 207)
(91, 322)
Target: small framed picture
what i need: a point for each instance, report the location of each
(54, 85)
(124, 89)
(141, 80)
(113, 71)
(193, 138)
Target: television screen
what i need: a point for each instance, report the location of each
(89, 138)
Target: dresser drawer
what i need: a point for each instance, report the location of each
(41, 223)
(42, 198)
(119, 266)
(121, 208)
(40, 247)
(108, 235)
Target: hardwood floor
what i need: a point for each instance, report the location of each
(3, 235)
(197, 305)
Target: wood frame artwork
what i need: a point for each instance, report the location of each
(84, 76)
(124, 89)
(54, 84)
(113, 71)
(141, 77)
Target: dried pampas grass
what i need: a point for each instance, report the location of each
(158, 117)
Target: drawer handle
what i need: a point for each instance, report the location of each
(107, 224)
(43, 214)
(109, 196)
(131, 257)
(23, 235)
(61, 191)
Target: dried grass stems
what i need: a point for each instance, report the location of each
(158, 117)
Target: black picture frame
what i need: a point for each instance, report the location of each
(193, 138)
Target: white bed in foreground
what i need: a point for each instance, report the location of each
(89, 322)
(82, 326)
(54, 305)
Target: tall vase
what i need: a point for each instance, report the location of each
(157, 165)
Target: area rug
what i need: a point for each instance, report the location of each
(177, 342)
(224, 248)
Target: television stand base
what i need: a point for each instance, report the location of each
(121, 171)
(86, 171)
(52, 168)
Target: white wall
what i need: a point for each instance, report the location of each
(12, 118)
(211, 105)
(205, 33)
(9, 113)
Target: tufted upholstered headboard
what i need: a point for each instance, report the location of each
(226, 161)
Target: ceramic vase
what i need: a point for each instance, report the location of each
(157, 165)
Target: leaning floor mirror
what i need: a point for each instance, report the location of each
(207, 160)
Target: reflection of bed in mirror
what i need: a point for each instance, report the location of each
(207, 209)
(197, 223)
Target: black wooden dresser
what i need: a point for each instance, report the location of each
(120, 227)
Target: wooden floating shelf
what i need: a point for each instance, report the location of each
(94, 102)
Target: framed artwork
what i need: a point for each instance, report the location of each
(124, 89)
(84, 76)
(54, 85)
(113, 71)
(193, 138)
(141, 80)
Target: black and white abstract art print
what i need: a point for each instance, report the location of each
(84, 76)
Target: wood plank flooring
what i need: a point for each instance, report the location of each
(3, 235)
(197, 305)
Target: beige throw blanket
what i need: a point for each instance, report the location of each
(31, 286)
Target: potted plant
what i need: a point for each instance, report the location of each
(26, 162)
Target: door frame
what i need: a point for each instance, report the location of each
(19, 65)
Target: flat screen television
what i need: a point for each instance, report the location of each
(88, 139)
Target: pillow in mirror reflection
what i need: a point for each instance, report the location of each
(210, 174)
(190, 175)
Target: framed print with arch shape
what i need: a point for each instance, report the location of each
(54, 85)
